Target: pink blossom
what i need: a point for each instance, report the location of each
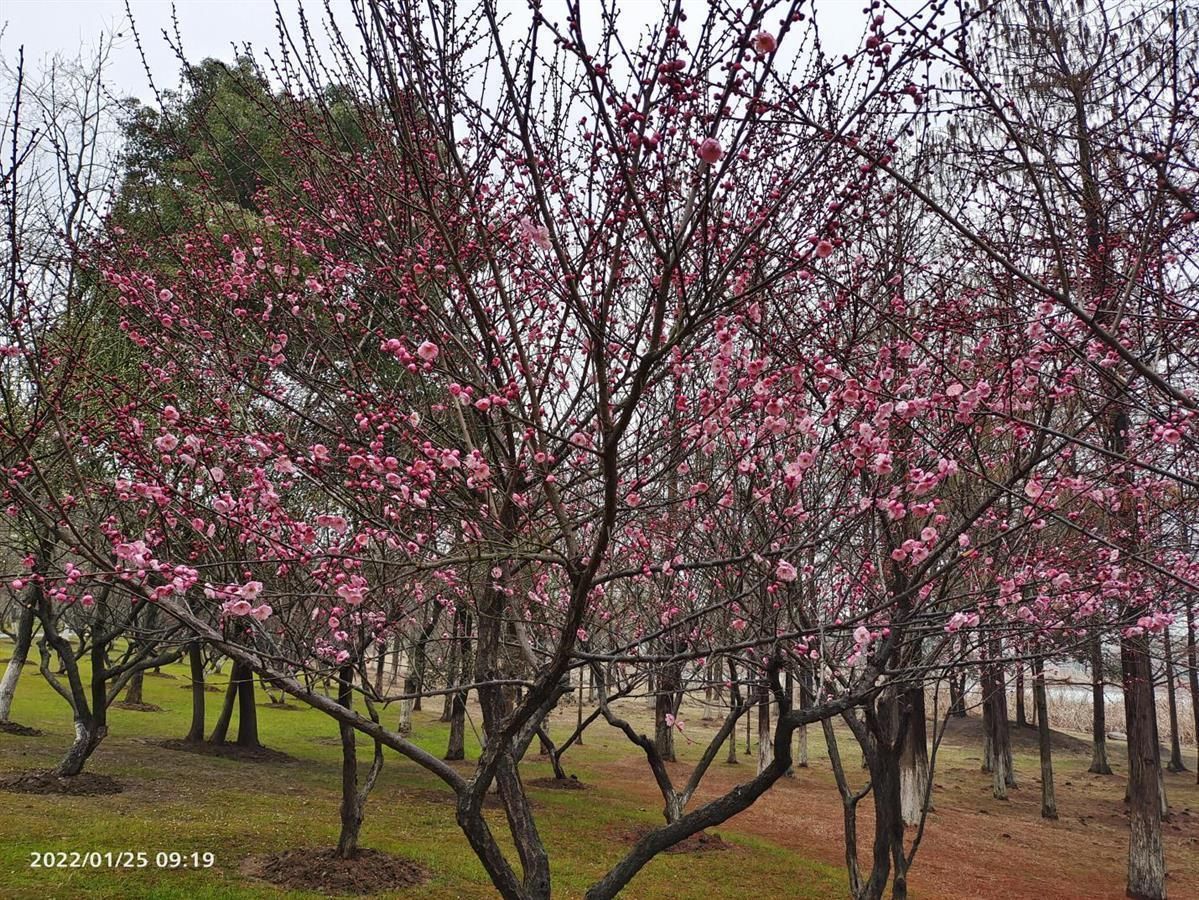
(427, 351)
(261, 613)
(710, 151)
(959, 621)
(533, 233)
(784, 571)
(166, 443)
(824, 249)
(764, 42)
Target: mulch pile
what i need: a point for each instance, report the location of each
(227, 751)
(558, 784)
(85, 784)
(21, 730)
(137, 707)
(369, 872)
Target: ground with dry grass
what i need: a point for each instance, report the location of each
(249, 812)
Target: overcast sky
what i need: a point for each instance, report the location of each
(210, 28)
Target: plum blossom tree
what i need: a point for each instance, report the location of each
(647, 361)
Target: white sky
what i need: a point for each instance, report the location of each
(210, 28)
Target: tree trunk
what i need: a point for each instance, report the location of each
(988, 764)
(663, 730)
(1099, 763)
(380, 662)
(913, 759)
(88, 735)
(1193, 671)
(351, 802)
(133, 694)
(708, 696)
(20, 653)
(765, 744)
(220, 732)
(1021, 718)
(195, 657)
(664, 707)
(849, 810)
(90, 718)
(456, 747)
(888, 827)
(451, 667)
(998, 747)
(579, 709)
(1041, 707)
(408, 704)
(735, 698)
(1176, 764)
(247, 712)
(1003, 731)
(1146, 860)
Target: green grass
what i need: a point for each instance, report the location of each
(184, 802)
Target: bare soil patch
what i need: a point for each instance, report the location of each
(282, 705)
(19, 730)
(321, 870)
(85, 784)
(558, 784)
(703, 842)
(137, 707)
(227, 751)
(448, 797)
(160, 675)
(208, 688)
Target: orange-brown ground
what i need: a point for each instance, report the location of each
(974, 847)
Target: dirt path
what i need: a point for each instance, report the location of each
(974, 847)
